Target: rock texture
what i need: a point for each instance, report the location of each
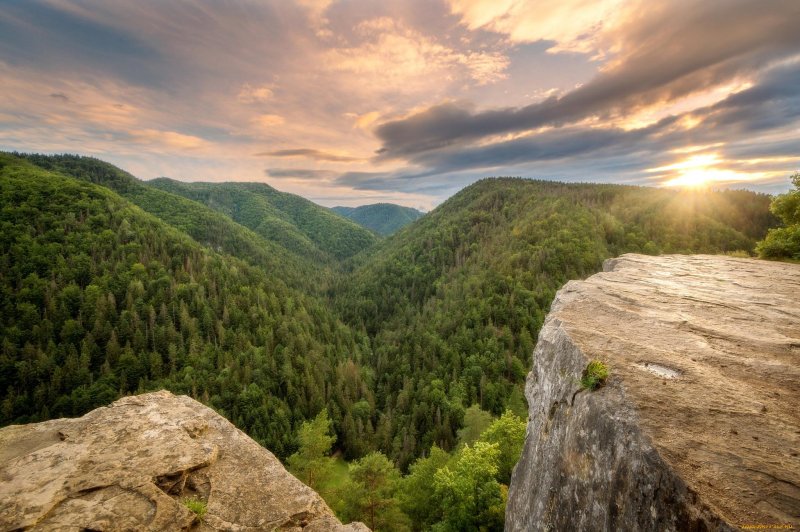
(131, 466)
(698, 427)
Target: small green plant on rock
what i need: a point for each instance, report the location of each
(594, 376)
(195, 505)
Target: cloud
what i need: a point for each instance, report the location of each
(309, 153)
(268, 121)
(255, 94)
(392, 55)
(365, 120)
(446, 91)
(169, 139)
(703, 45)
(572, 25)
(749, 136)
(301, 173)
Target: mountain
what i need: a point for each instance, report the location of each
(100, 299)
(205, 225)
(383, 218)
(283, 233)
(453, 306)
(298, 224)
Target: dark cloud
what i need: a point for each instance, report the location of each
(666, 52)
(33, 33)
(773, 104)
(299, 173)
(60, 96)
(308, 153)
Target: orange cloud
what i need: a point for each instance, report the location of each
(572, 24)
(394, 55)
(268, 121)
(254, 94)
(169, 139)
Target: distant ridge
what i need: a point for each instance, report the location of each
(383, 218)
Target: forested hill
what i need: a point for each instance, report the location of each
(454, 306)
(383, 218)
(297, 223)
(294, 237)
(100, 299)
(202, 223)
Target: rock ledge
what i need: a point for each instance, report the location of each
(698, 427)
(130, 466)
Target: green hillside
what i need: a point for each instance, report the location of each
(207, 226)
(454, 306)
(383, 218)
(298, 224)
(100, 299)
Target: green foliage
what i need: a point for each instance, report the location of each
(196, 506)
(454, 303)
(475, 422)
(370, 496)
(594, 375)
(470, 496)
(312, 463)
(784, 242)
(418, 492)
(203, 224)
(508, 433)
(99, 299)
(299, 225)
(383, 218)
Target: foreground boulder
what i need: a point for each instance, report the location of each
(134, 465)
(698, 426)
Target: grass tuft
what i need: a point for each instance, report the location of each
(594, 376)
(197, 506)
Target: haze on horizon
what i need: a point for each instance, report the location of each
(354, 102)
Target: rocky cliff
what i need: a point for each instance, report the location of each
(698, 426)
(139, 464)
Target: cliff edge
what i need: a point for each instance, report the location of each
(134, 464)
(698, 427)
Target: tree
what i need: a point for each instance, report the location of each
(312, 463)
(370, 493)
(784, 242)
(508, 433)
(475, 422)
(418, 492)
(469, 494)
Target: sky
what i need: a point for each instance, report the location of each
(349, 102)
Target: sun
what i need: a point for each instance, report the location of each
(700, 171)
(695, 172)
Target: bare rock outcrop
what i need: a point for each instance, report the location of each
(133, 464)
(698, 427)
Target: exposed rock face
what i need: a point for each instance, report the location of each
(130, 466)
(698, 427)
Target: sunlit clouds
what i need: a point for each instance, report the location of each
(408, 101)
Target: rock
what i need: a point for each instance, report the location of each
(698, 426)
(131, 466)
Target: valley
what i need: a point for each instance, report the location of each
(271, 309)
